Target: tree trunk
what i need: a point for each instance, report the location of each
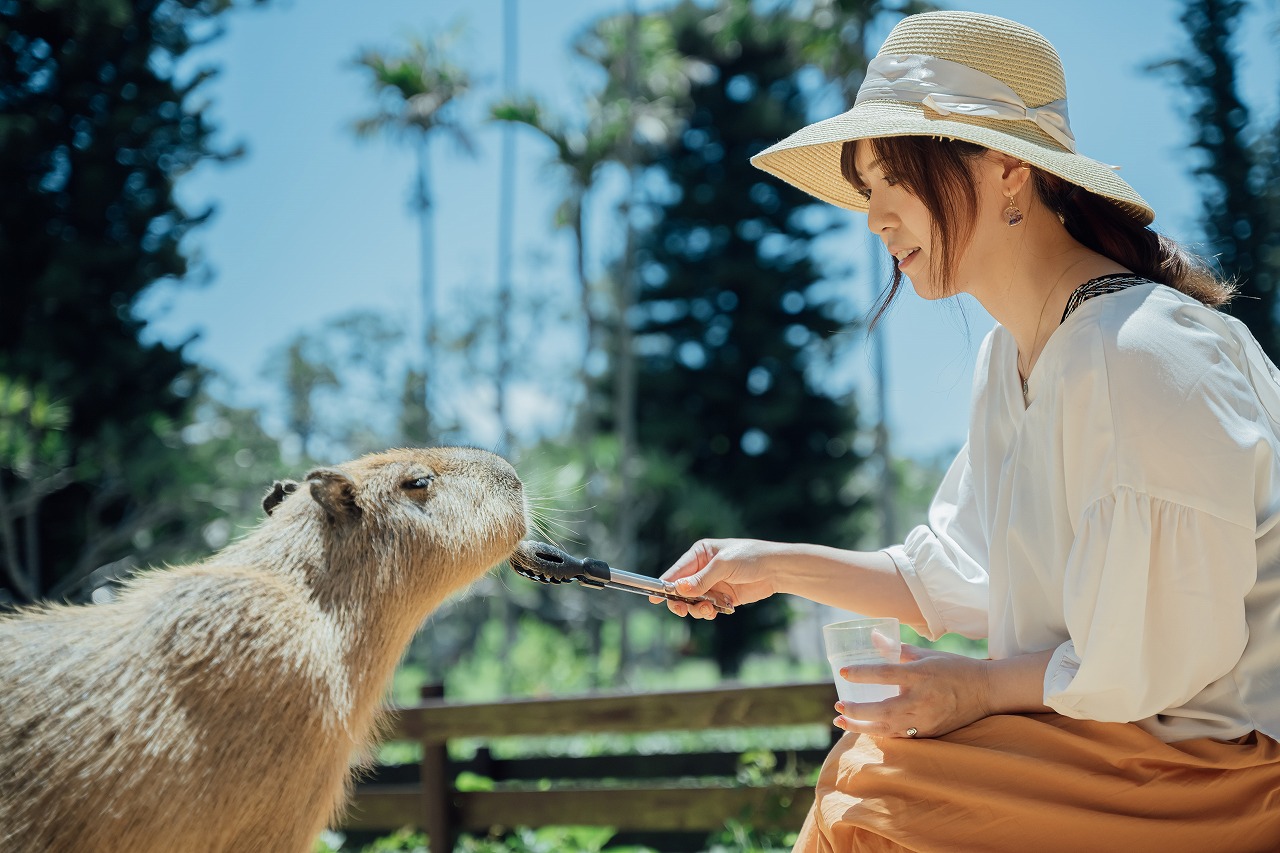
(625, 389)
(506, 229)
(428, 262)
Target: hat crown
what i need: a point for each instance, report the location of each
(1014, 54)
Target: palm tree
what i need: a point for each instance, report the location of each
(414, 90)
(579, 154)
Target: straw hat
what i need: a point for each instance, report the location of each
(955, 75)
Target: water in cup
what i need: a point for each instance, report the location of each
(862, 641)
(857, 692)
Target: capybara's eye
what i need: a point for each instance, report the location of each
(419, 482)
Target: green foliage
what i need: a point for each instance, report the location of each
(541, 661)
(916, 482)
(416, 89)
(404, 841)
(953, 643)
(94, 131)
(31, 430)
(741, 837)
(551, 839)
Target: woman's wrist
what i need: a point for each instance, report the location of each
(1016, 685)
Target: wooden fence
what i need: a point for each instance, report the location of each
(671, 796)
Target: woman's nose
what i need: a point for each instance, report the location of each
(878, 217)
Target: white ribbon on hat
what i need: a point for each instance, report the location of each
(948, 87)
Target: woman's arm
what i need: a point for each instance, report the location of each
(747, 570)
(865, 582)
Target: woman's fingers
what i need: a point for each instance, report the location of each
(874, 718)
(698, 610)
(701, 610)
(913, 653)
(882, 728)
(869, 712)
(887, 646)
(696, 571)
(876, 673)
(690, 561)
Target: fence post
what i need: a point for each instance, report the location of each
(437, 787)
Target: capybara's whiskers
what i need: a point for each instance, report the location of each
(548, 529)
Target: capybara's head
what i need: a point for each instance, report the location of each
(418, 523)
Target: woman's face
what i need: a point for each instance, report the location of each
(905, 225)
(900, 220)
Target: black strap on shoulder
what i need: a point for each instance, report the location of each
(1097, 287)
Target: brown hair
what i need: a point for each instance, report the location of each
(939, 173)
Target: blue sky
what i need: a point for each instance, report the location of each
(313, 224)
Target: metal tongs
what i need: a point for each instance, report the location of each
(548, 564)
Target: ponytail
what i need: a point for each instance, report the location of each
(1105, 228)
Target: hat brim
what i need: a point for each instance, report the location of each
(809, 159)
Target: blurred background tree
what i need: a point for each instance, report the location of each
(1239, 164)
(416, 89)
(95, 129)
(732, 325)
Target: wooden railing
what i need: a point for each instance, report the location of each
(686, 793)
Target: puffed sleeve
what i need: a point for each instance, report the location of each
(1154, 607)
(943, 562)
(1164, 550)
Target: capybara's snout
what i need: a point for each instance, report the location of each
(496, 477)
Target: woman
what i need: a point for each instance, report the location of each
(1110, 525)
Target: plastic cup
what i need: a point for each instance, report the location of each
(852, 643)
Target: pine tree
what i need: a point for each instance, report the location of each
(1238, 167)
(732, 331)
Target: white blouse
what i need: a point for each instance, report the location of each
(1126, 517)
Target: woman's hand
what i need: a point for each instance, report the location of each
(739, 571)
(938, 693)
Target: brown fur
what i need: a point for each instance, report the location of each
(218, 706)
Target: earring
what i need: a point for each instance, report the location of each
(1012, 214)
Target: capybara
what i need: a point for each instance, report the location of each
(219, 706)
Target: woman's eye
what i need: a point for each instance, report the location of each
(419, 482)
(865, 193)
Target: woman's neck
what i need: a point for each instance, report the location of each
(1027, 288)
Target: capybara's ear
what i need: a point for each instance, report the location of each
(281, 490)
(336, 492)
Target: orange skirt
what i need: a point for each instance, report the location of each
(1045, 783)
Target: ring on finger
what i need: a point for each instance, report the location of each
(912, 732)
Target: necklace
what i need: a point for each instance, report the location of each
(1025, 375)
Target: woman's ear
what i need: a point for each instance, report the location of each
(1014, 174)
